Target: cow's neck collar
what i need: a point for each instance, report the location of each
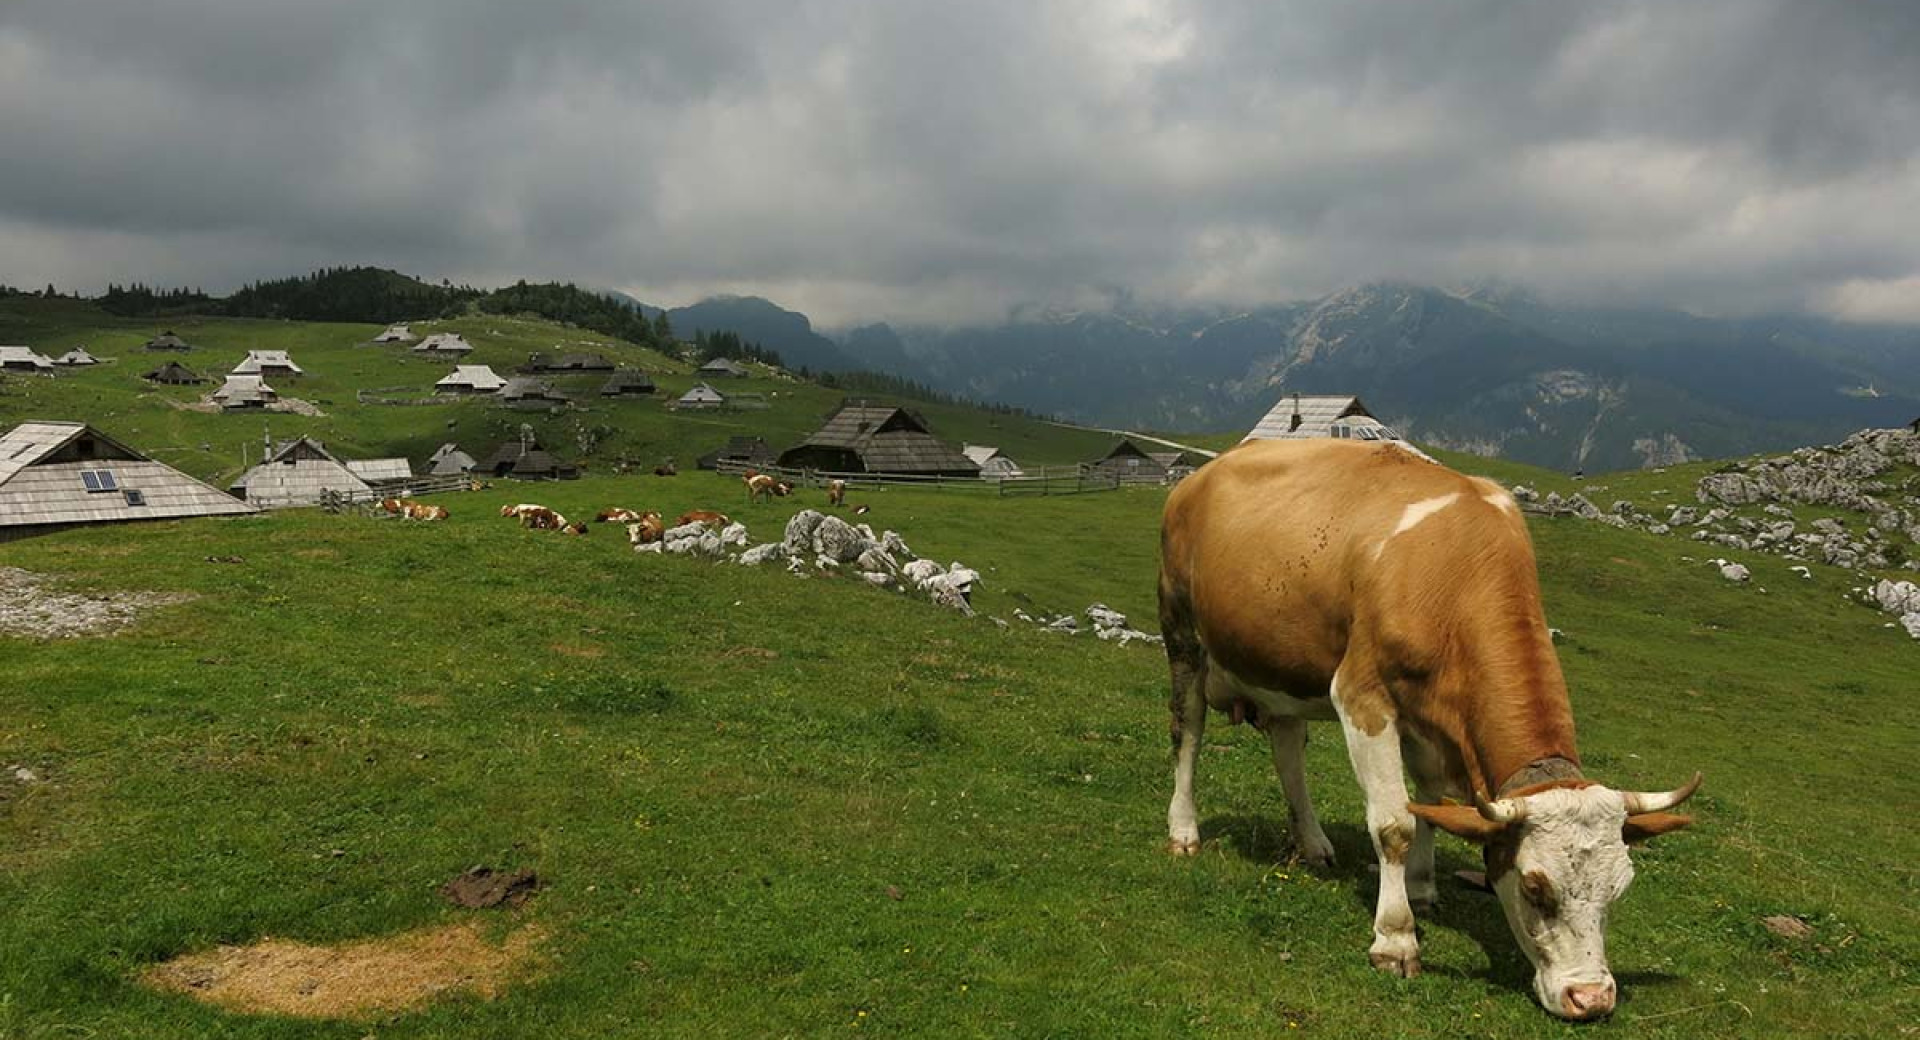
(1540, 771)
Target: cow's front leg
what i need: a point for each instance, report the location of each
(1374, 746)
(1289, 739)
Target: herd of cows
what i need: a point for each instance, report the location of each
(1366, 584)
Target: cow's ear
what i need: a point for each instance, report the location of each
(1641, 826)
(1459, 820)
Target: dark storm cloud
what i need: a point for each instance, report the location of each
(942, 160)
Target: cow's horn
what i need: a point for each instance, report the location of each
(1660, 801)
(1506, 810)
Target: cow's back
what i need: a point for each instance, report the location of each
(1274, 553)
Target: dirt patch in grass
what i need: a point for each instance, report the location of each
(587, 650)
(30, 606)
(355, 979)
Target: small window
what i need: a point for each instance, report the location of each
(135, 498)
(99, 480)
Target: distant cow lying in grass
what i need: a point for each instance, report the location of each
(618, 516)
(535, 518)
(702, 516)
(647, 529)
(576, 528)
(666, 470)
(408, 509)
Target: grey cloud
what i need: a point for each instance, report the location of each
(940, 160)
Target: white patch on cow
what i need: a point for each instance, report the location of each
(1573, 839)
(1414, 515)
(1376, 764)
(1500, 500)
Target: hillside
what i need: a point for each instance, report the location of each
(764, 805)
(340, 361)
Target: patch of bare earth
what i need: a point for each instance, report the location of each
(352, 980)
(30, 606)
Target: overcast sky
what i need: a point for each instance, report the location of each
(943, 160)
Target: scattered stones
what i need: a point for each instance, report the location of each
(734, 534)
(760, 554)
(1110, 624)
(24, 775)
(1732, 571)
(31, 608)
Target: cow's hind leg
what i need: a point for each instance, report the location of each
(1373, 743)
(1289, 739)
(1187, 708)
(1425, 768)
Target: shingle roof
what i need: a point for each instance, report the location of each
(443, 343)
(480, 377)
(24, 357)
(726, 366)
(76, 356)
(38, 487)
(168, 341)
(701, 393)
(373, 470)
(241, 389)
(527, 388)
(627, 380)
(889, 440)
(449, 459)
(258, 361)
(174, 372)
(395, 334)
(1317, 414)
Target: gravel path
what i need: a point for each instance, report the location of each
(31, 607)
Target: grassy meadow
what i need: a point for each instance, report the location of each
(772, 806)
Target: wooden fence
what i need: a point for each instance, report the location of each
(1050, 480)
(413, 487)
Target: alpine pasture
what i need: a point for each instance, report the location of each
(763, 805)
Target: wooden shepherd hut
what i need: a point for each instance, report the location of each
(395, 334)
(865, 438)
(726, 368)
(627, 382)
(450, 461)
(240, 392)
(526, 392)
(168, 341)
(701, 396)
(58, 474)
(525, 460)
(78, 357)
(994, 464)
(173, 373)
(470, 379)
(268, 363)
(299, 471)
(750, 451)
(24, 359)
(1306, 416)
(443, 344)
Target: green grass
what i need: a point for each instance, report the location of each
(722, 772)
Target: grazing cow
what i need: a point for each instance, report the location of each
(836, 492)
(702, 516)
(1366, 583)
(577, 528)
(540, 518)
(759, 486)
(618, 516)
(647, 529)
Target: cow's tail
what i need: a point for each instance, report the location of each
(1186, 661)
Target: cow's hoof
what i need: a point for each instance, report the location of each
(1184, 846)
(1405, 965)
(1316, 851)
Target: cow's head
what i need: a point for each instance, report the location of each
(1557, 858)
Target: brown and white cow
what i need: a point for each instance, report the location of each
(540, 518)
(836, 492)
(411, 510)
(702, 516)
(1366, 583)
(616, 515)
(647, 529)
(759, 487)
